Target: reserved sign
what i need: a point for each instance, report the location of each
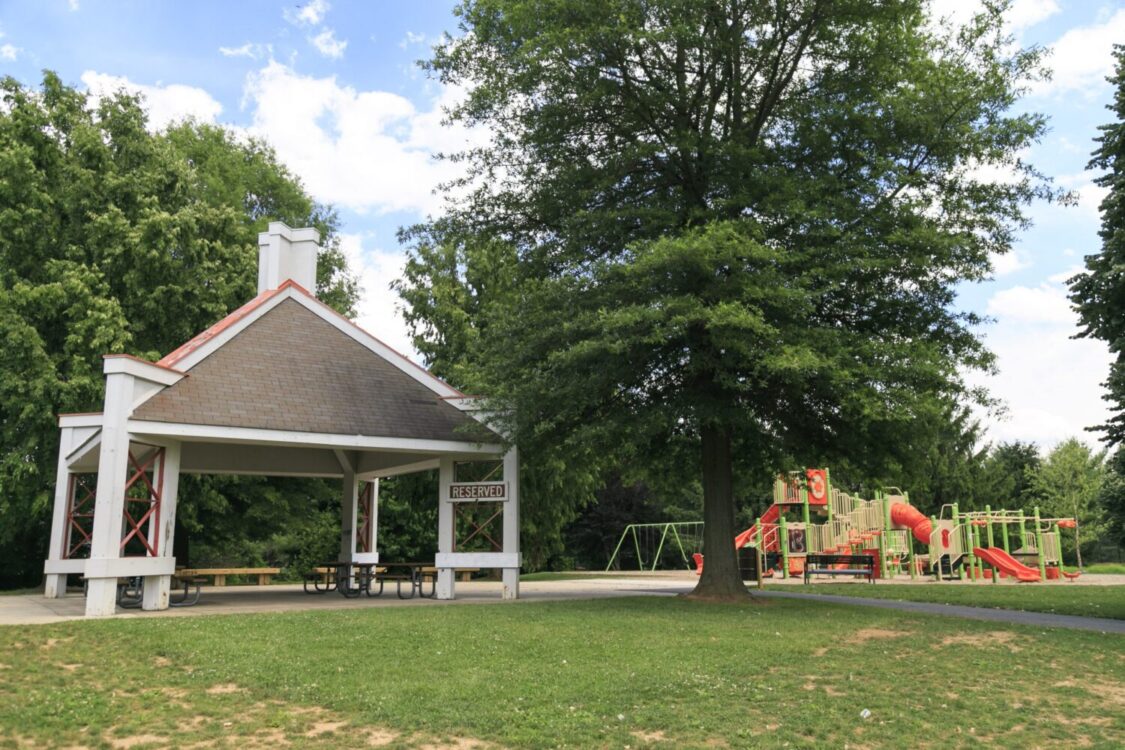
(476, 491)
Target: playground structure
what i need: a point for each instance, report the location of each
(976, 545)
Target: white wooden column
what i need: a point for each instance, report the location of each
(349, 514)
(128, 381)
(445, 528)
(60, 538)
(157, 587)
(511, 576)
(109, 504)
(372, 555)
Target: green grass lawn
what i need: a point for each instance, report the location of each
(1113, 568)
(642, 672)
(1060, 598)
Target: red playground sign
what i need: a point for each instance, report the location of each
(818, 486)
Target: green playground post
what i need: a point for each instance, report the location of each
(931, 548)
(1004, 536)
(968, 557)
(659, 549)
(886, 531)
(783, 543)
(1023, 531)
(761, 552)
(828, 492)
(1039, 547)
(805, 513)
(680, 544)
(991, 538)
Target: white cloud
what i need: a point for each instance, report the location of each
(309, 14)
(1045, 303)
(1021, 16)
(328, 45)
(73, 5)
(378, 310)
(165, 104)
(1027, 13)
(1063, 277)
(1090, 196)
(1009, 262)
(412, 38)
(1050, 382)
(364, 150)
(9, 52)
(1083, 57)
(250, 49)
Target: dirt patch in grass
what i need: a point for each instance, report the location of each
(224, 689)
(1109, 692)
(657, 736)
(993, 638)
(876, 634)
(137, 740)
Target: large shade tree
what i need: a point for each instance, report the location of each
(730, 229)
(117, 239)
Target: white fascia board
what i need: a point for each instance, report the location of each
(394, 471)
(195, 356)
(138, 368)
(83, 449)
(220, 434)
(80, 420)
(350, 329)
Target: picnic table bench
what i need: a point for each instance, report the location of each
(220, 574)
(840, 565)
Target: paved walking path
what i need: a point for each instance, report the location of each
(26, 609)
(1017, 617)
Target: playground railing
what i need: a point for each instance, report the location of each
(1052, 551)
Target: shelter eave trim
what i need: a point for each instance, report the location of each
(223, 434)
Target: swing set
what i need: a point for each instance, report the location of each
(656, 542)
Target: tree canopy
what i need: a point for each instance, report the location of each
(725, 231)
(116, 239)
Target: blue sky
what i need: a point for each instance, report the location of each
(335, 88)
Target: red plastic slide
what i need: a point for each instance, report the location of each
(770, 516)
(740, 541)
(1001, 560)
(913, 519)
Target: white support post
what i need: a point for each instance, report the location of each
(60, 532)
(349, 513)
(445, 528)
(511, 576)
(105, 545)
(158, 587)
(373, 525)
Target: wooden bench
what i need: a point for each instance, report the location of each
(829, 565)
(462, 574)
(220, 574)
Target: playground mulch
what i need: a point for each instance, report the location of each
(1053, 598)
(637, 672)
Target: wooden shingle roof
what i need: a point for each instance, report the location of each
(290, 369)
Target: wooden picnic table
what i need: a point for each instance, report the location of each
(220, 574)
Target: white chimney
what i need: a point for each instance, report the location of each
(285, 253)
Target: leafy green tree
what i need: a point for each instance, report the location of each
(116, 239)
(732, 227)
(1068, 484)
(1006, 475)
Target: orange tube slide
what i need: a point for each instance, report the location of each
(913, 519)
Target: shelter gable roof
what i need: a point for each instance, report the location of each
(290, 365)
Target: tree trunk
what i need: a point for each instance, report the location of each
(721, 578)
